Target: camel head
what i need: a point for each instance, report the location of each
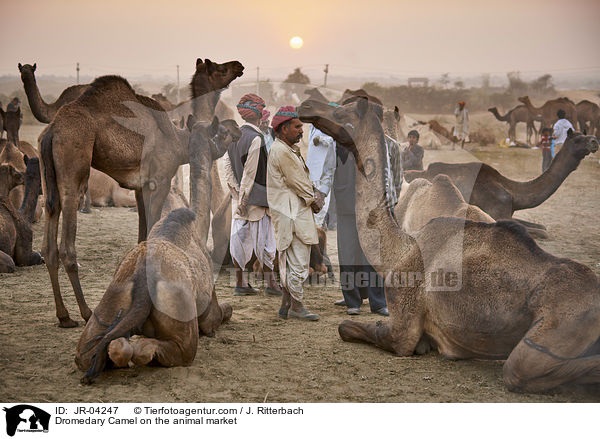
(9, 178)
(352, 95)
(217, 135)
(579, 145)
(391, 119)
(27, 70)
(211, 76)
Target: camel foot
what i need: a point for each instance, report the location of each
(120, 352)
(67, 322)
(84, 210)
(348, 331)
(227, 311)
(86, 380)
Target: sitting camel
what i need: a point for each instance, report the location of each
(500, 197)
(105, 191)
(16, 235)
(163, 290)
(127, 136)
(469, 289)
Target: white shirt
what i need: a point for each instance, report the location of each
(320, 160)
(560, 130)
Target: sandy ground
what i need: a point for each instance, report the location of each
(257, 357)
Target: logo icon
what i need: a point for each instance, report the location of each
(26, 418)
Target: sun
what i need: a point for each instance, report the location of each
(296, 42)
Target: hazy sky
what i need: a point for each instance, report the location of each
(421, 37)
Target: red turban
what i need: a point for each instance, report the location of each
(251, 106)
(283, 115)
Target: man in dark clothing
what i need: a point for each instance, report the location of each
(412, 156)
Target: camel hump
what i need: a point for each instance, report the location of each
(108, 82)
(171, 226)
(443, 186)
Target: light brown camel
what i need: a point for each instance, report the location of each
(588, 113)
(16, 235)
(501, 197)
(391, 125)
(468, 289)
(105, 191)
(547, 112)
(514, 116)
(41, 110)
(163, 290)
(127, 136)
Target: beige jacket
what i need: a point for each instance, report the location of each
(290, 195)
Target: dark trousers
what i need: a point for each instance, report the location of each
(546, 159)
(358, 279)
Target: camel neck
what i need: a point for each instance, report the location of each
(534, 192)
(204, 105)
(32, 189)
(39, 107)
(200, 183)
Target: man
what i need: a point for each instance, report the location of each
(267, 131)
(246, 173)
(292, 200)
(320, 160)
(412, 156)
(461, 128)
(560, 130)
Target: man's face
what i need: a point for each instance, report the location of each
(292, 132)
(412, 139)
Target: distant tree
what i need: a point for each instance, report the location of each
(140, 90)
(543, 85)
(516, 85)
(297, 77)
(444, 80)
(459, 84)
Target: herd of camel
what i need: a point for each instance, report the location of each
(502, 297)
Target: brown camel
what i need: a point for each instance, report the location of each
(12, 122)
(16, 235)
(518, 114)
(588, 113)
(127, 136)
(9, 179)
(391, 124)
(547, 112)
(500, 197)
(41, 110)
(468, 289)
(105, 191)
(163, 290)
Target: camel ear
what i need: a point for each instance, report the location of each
(396, 112)
(209, 65)
(20, 67)
(199, 62)
(214, 126)
(362, 107)
(570, 133)
(34, 66)
(191, 120)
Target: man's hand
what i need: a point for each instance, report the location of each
(242, 209)
(317, 205)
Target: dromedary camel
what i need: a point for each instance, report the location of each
(547, 112)
(105, 191)
(127, 136)
(9, 179)
(469, 289)
(16, 235)
(588, 113)
(500, 197)
(518, 114)
(163, 290)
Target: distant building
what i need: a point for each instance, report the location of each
(418, 82)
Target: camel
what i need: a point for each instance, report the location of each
(498, 196)
(588, 112)
(163, 290)
(9, 179)
(141, 153)
(12, 123)
(42, 111)
(16, 235)
(518, 114)
(105, 191)
(547, 112)
(391, 125)
(468, 289)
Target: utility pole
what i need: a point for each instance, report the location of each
(257, 80)
(177, 84)
(77, 73)
(326, 71)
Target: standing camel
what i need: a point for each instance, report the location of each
(518, 114)
(498, 295)
(127, 136)
(547, 112)
(588, 112)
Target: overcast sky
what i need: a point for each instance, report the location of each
(404, 37)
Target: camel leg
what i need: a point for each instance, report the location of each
(142, 230)
(50, 254)
(7, 265)
(215, 315)
(68, 254)
(535, 365)
(87, 202)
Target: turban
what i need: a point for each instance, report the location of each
(265, 115)
(283, 115)
(461, 103)
(251, 106)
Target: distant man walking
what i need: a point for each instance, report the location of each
(461, 128)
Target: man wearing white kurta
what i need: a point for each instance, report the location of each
(292, 201)
(245, 170)
(560, 130)
(320, 160)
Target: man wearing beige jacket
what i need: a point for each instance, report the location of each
(292, 200)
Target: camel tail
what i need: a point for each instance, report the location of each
(52, 198)
(124, 325)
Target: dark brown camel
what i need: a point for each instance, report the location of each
(127, 136)
(498, 295)
(500, 197)
(163, 291)
(547, 112)
(518, 114)
(588, 113)
(16, 235)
